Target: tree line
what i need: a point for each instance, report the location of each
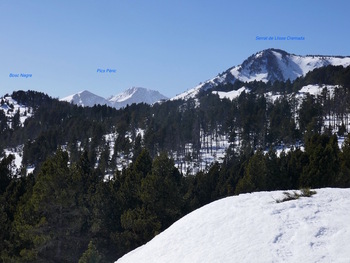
(65, 211)
(251, 121)
(68, 212)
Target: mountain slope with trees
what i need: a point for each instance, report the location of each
(162, 161)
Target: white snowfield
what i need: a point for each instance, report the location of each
(254, 228)
(231, 94)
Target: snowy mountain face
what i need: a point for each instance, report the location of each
(136, 95)
(268, 65)
(254, 228)
(86, 99)
(128, 97)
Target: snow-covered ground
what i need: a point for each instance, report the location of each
(10, 107)
(213, 149)
(254, 228)
(317, 89)
(231, 94)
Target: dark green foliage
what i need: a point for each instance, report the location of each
(5, 173)
(256, 175)
(52, 216)
(282, 125)
(153, 200)
(16, 193)
(343, 178)
(250, 119)
(161, 191)
(323, 166)
(310, 118)
(304, 192)
(330, 75)
(202, 188)
(3, 122)
(31, 98)
(91, 255)
(71, 204)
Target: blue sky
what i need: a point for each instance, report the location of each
(169, 46)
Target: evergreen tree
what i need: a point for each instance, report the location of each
(310, 118)
(17, 192)
(5, 172)
(323, 167)
(161, 191)
(91, 255)
(343, 179)
(256, 175)
(52, 219)
(202, 189)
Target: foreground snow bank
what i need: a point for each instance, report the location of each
(254, 228)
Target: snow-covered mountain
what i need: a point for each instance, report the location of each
(128, 97)
(86, 99)
(135, 95)
(268, 65)
(254, 228)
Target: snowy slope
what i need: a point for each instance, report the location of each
(254, 228)
(268, 65)
(10, 107)
(86, 99)
(231, 94)
(136, 95)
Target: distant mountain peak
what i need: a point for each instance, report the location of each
(126, 94)
(136, 95)
(128, 97)
(268, 65)
(86, 99)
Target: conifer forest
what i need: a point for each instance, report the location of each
(96, 182)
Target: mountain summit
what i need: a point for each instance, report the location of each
(128, 97)
(268, 65)
(135, 95)
(86, 99)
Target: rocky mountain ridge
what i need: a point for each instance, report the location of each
(268, 65)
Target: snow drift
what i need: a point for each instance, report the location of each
(254, 228)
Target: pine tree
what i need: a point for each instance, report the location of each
(5, 172)
(51, 220)
(256, 175)
(323, 167)
(161, 191)
(343, 179)
(91, 255)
